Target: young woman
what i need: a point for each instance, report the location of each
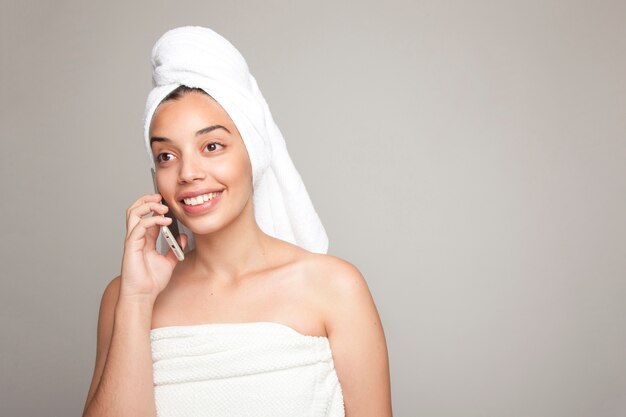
(248, 324)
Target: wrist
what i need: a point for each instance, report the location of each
(138, 300)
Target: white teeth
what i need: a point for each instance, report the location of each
(193, 201)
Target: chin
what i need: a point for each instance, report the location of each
(202, 226)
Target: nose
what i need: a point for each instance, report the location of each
(190, 170)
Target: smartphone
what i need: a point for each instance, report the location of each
(170, 233)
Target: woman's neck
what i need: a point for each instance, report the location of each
(229, 253)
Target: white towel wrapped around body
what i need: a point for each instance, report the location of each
(257, 369)
(199, 57)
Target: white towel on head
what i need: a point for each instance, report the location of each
(199, 57)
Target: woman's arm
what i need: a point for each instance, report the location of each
(358, 342)
(122, 384)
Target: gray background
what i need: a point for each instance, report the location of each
(468, 157)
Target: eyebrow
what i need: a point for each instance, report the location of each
(198, 133)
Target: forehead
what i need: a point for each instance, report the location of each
(191, 109)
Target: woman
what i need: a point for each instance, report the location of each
(257, 319)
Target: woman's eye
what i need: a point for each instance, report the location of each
(210, 145)
(160, 156)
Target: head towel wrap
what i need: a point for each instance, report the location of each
(195, 56)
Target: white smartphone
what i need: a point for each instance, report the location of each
(170, 233)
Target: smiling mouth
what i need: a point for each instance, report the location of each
(200, 199)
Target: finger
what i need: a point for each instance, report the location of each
(152, 235)
(145, 233)
(138, 212)
(147, 198)
(137, 236)
(142, 208)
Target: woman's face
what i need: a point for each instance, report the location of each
(197, 150)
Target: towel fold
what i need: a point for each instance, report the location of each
(243, 369)
(199, 57)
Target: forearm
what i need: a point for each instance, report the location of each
(126, 386)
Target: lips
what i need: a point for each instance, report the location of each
(196, 193)
(204, 207)
(194, 201)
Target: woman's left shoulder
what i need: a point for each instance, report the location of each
(330, 263)
(335, 277)
(355, 335)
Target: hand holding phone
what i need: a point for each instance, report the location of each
(170, 233)
(145, 272)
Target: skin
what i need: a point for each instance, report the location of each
(238, 273)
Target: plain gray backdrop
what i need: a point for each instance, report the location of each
(469, 157)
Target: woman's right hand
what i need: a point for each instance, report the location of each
(145, 272)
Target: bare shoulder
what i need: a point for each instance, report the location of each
(342, 290)
(335, 275)
(108, 302)
(331, 293)
(110, 297)
(338, 274)
(112, 289)
(356, 336)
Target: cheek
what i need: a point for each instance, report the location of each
(166, 182)
(234, 170)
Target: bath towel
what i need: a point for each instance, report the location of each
(257, 369)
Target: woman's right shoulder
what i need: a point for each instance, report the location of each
(108, 302)
(114, 285)
(106, 318)
(111, 294)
